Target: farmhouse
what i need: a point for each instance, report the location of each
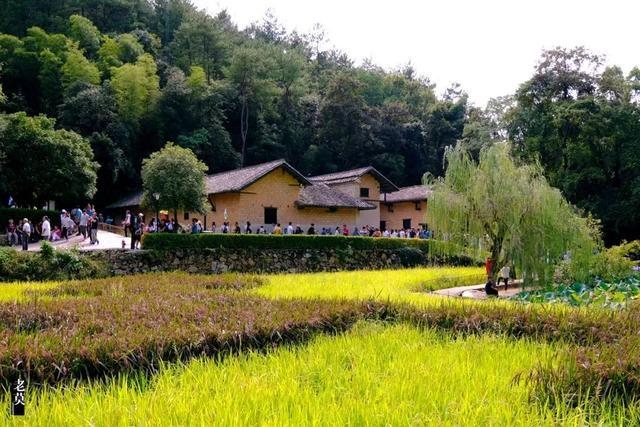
(405, 208)
(275, 192)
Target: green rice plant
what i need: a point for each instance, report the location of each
(133, 323)
(22, 291)
(373, 375)
(407, 285)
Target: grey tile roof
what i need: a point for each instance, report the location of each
(321, 195)
(407, 194)
(238, 179)
(353, 175)
(227, 182)
(128, 201)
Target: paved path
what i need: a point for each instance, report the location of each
(106, 240)
(477, 291)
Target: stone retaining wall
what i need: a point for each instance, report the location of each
(122, 262)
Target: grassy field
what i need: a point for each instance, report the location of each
(408, 285)
(178, 349)
(373, 375)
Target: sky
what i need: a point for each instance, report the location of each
(489, 47)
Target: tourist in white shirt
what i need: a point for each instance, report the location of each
(46, 228)
(26, 233)
(84, 221)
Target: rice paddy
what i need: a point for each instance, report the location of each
(411, 359)
(408, 285)
(374, 375)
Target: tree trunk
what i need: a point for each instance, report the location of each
(244, 127)
(496, 249)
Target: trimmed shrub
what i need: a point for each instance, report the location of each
(166, 241)
(410, 256)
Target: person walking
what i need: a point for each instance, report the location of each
(312, 230)
(26, 233)
(45, 229)
(289, 229)
(136, 230)
(503, 275)
(84, 222)
(127, 222)
(247, 228)
(94, 229)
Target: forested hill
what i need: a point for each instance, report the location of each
(125, 76)
(130, 75)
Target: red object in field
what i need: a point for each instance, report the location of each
(488, 265)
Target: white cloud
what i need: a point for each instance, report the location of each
(490, 47)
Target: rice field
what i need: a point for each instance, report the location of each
(19, 291)
(429, 362)
(374, 375)
(407, 285)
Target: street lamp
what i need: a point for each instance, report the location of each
(157, 197)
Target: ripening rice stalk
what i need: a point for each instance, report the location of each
(374, 375)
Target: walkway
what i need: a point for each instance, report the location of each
(477, 291)
(106, 239)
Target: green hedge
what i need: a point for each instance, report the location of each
(169, 241)
(34, 215)
(165, 241)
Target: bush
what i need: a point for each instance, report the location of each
(613, 264)
(34, 215)
(410, 256)
(48, 264)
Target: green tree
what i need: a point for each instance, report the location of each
(200, 41)
(50, 77)
(177, 176)
(583, 125)
(77, 68)
(136, 88)
(509, 210)
(249, 72)
(46, 164)
(129, 48)
(85, 33)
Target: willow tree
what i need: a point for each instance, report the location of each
(508, 210)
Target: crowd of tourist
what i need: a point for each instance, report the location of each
(85, 222)
(169, 226)
(80, 222)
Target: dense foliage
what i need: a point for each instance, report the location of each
(583, 123)
(130, 75)
(508, 209)
(48, 264)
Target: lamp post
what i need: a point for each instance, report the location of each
(157, 197)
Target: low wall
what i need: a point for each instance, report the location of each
(122, 262)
